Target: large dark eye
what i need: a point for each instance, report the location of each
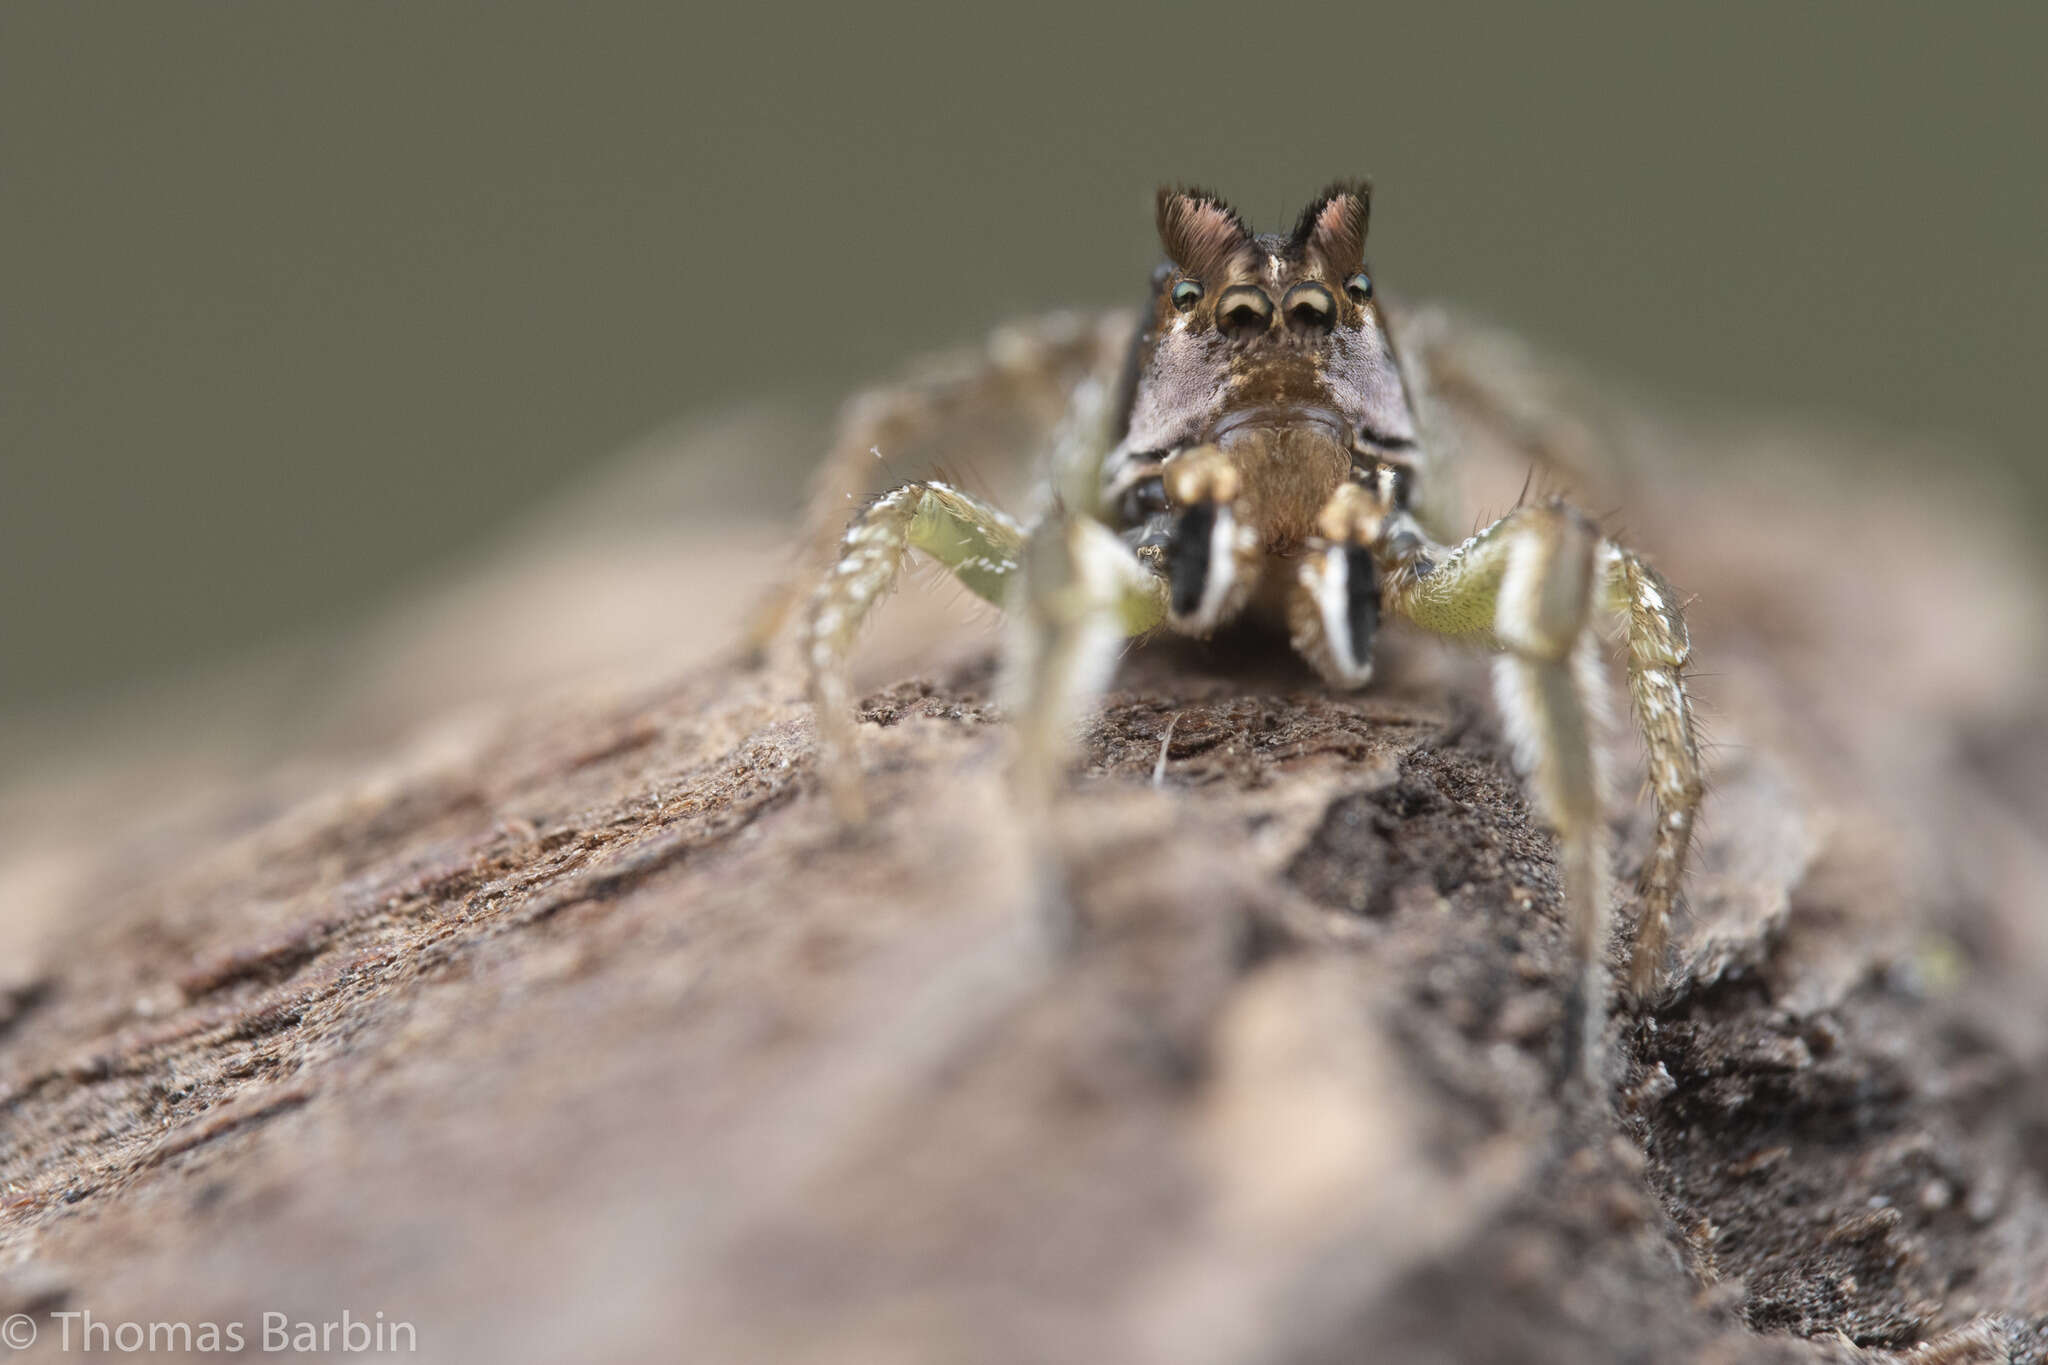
(1186, 293)
(1359, 287)
(1243, 310)
(1308, 305)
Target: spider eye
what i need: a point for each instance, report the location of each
(1186, 293)
(1359, 286)
(1308, 305)
(1243, 310)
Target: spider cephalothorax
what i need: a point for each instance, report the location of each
(1246, 337)
(1262, 381)
(1259, 459)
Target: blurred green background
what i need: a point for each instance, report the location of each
(299, 301)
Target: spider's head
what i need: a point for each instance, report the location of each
(1272, 348)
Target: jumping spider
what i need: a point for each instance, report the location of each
(1261, 458)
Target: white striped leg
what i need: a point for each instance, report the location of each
(1528, 582)
(1084, 594)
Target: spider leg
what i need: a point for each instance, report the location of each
(978, 542)
(1022, 375)
(1659, 648)
(1488, 376)
(1528, 584)
(1084, 593)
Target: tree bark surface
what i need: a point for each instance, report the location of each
(554, 1016)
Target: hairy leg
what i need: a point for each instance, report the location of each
(1528, 585)
(1659, 649)
(1022, 375)
(1484, 375)
(979, 543)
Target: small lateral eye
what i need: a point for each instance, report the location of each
(1186, 293)
(1359, 286)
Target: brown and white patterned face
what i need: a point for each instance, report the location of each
(1270, 347)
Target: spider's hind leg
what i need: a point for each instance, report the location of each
(978, 542)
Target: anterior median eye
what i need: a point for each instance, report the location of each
(1308, 305)
(1243, 310)
(1359, 286)
(1186, 293)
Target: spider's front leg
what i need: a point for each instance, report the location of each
(1529, 585)
(1083, 594)
(1086, 593)
(1024, 373)
(978, 542)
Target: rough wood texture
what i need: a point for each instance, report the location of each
(569, 1027)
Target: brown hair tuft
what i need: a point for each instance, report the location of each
(1199, 231)
(1333, 225)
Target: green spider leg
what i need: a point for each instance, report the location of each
(1530, 585)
